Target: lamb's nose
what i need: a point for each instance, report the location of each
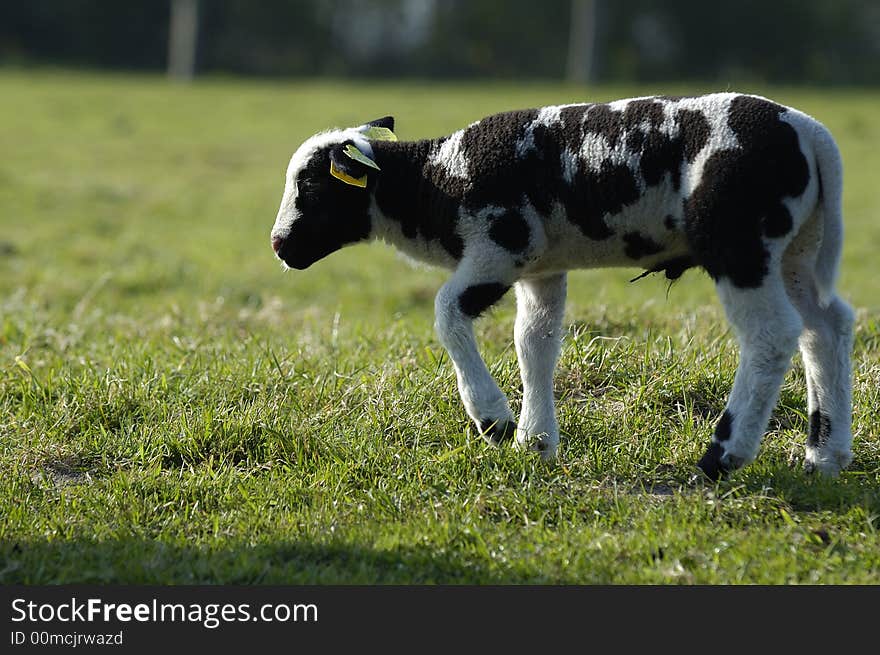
(277, 242)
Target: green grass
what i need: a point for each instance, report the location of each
(175, 409)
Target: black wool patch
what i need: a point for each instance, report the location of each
(661, 154)
(635, 141)
(739, 198)
(820, 429)
(611, 124)
(604, 121)
(477, 298)
(497, 176)
(510, 231)
(647, 110)
(543, 164)
(638, 245)
(594, 194)
(591, 194)
(420, 197)
(777, 222)
(658, 153)
(694, 130)
(503, 175)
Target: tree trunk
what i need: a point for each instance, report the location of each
(182, 39)
(582, 51)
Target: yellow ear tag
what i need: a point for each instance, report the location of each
(348, 179)
(377, 133)
(357, 155)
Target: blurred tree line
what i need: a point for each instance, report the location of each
(809, 41)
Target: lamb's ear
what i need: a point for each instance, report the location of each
(350, 165)
(386, 121)
(381, 129)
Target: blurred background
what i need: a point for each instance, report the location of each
(785, 41)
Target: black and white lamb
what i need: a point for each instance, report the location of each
(744, 188)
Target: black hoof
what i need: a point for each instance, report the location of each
(716, 464)
(496, 431)
(710, 464)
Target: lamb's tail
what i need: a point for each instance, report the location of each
(830, 170)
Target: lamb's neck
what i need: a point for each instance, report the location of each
(411, 208)
(399, 192)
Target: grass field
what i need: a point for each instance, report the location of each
(175, 409)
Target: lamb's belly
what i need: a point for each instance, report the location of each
(420, 251)
(639, 239)
(590, 254)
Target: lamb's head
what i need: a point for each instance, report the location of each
(326, 201)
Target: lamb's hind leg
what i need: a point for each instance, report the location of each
(540, 304)
(767, 327)
(826, 344)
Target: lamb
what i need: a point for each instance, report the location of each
(744, 188)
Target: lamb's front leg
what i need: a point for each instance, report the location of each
(458, 303)
(538, 334)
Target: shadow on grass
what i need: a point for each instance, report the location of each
(140, 561)
(856, 487)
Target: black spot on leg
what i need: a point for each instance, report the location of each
(638, 245)
(477, 298)
(820, 429)
(723, 427)
(510, 231)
